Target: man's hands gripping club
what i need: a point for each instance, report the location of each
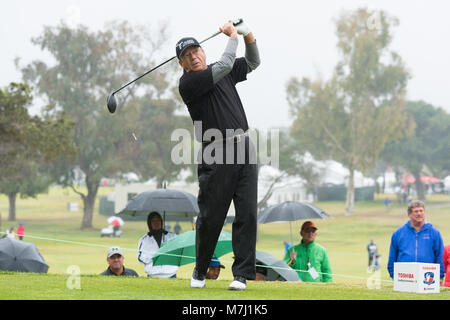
(231, 30)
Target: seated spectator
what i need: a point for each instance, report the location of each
(214, 269)
(150, 243)
(115, 259)
(261, 273)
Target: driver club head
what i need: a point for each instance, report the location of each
(111, 103)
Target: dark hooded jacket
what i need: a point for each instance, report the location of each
(157, 234)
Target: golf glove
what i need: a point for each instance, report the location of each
(242, 29)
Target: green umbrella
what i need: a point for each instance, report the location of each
(180, 250)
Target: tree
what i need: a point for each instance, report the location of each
(153, 147)
(29, 145)
(428, 146)
(296, 162)
(88, 66)
(350, 117)
(13, 119)
(292, 163)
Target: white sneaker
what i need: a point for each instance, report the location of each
(238, 283)
(197, 283)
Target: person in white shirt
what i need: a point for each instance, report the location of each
(150, 243)
(10, 233)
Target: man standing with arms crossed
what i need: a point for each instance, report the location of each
(211, 98)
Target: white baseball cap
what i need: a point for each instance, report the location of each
(113, 251)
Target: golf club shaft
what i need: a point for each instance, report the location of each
(143, 75)
(235, 23)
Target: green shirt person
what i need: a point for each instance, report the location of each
(308, 258)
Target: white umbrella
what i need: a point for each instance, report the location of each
(113, 218)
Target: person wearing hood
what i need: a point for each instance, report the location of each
(150, 243)
(416, 241)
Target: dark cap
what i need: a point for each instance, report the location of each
(185, 43)
(308, 224)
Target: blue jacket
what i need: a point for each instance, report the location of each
(408, 245)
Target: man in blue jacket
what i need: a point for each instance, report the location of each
(416, 241)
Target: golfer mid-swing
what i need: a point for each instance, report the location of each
(212, 100)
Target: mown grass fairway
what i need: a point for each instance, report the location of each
(52, 286)
(56, 232)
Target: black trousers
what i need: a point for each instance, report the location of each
(219, 183)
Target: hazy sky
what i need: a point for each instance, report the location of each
(295, 38)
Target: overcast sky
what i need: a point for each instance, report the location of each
(295, 38)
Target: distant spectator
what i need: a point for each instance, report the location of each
(446, 259)
(387, 203)
(115, 259)
(287, 245)
(375, 266)
(308, 258)
(404, 197)
(416, 241)
(116, 226)
(177, 228)
(10, 233)
(20, 231)
(410, 199)
(315, 194)
(372, 251)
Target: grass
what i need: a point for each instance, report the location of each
(56, 232)
(53, 287)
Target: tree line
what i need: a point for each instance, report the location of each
(87, 66)
(359, 117)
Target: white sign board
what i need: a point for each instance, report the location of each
(416, 277)
(72, 206)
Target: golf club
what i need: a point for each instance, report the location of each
(111, 101)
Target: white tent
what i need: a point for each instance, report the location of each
(447, 184)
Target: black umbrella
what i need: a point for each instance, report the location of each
(291, 211)
(276, 269)
(21, 256)
(173, 202)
